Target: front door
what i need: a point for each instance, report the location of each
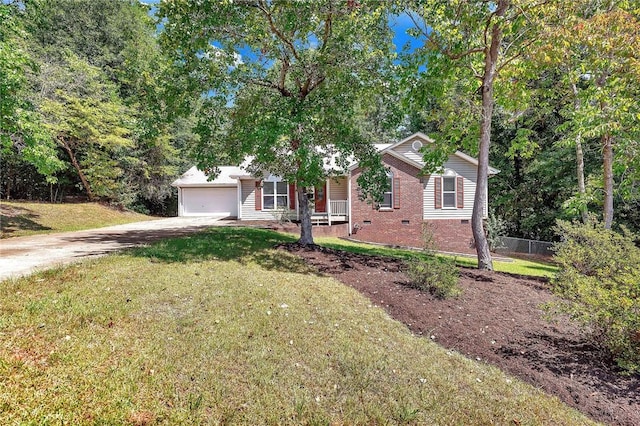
(321, 198)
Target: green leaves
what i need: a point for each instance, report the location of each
(286, 83)
(598, 284)
(21, 131)
(89, 123)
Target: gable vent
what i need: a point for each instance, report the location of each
(416, 145)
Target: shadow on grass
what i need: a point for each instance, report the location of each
(21, 222)
(227, 243)
(531, 269)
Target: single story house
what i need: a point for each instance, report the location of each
(441, 202)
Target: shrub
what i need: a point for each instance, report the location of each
(437, 276)
(496, 229)
(599, 286)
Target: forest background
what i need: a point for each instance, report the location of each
(92, 106)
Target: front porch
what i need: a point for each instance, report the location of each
(330, 202)
(337, 211)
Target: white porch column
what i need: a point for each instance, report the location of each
(297, 203)
(239, 191)
(349, 201)
(329, 200)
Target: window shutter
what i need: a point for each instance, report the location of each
(437, 192)
(292, 196)
(396, 193)
(258, 195)
(460, 192)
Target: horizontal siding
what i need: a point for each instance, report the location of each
(339, 189)
(469, 172)
(407, 150)
(248, 201)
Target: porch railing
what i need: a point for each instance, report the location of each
(338, 207)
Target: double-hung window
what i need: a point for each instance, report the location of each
(387, 200)
(449, 192)
(275, 195)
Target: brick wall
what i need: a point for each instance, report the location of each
(339, 230)
(404, 226)
(399, 226)
(452, 235)
(335, 230)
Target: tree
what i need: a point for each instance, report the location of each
(286, 83)
(87, 120)
(118, 40)
(599, 60)
(21, 130)
(466, 41)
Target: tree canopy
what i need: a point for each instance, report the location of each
(21, 132)
(87, 91)
(287, 84)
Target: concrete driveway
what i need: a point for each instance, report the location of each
(24, 255)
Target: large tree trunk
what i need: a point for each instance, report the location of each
(306, 229)
(607, 166)
(477, 218)
(582, 189)
(74, 161)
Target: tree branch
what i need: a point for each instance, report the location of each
(328, 27)
(263, 7)
(432, 39)
(269, 85)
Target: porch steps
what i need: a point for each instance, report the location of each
(319, 221)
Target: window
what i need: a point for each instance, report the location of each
(275, 195)
(387, 200)
(448, 192)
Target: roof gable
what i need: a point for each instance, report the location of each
(406, 151)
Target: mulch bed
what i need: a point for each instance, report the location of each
(497, 320)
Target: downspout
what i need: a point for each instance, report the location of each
(486, 205)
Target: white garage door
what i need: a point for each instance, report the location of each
(206, 201)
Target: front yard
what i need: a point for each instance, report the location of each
(22, 218)
(219, 328)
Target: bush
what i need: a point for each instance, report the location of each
(599, 283)
(496, 229)
(437, 276)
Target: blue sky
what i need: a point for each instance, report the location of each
(399, 23)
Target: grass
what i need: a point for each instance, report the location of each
(217, 328)
(18, 219)
(23, 218)
(512, 266)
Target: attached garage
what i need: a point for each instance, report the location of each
(206, 201)
(198, 196)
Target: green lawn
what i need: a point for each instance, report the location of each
(512, 266)
(19, 219)
(217, 328)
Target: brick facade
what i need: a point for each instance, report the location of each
(403, 226)
(452, 235)
(399, 226)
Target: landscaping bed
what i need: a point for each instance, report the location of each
(497, 320)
